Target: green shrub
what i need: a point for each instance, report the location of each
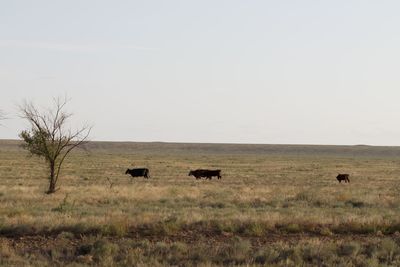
(117, 228)
(200, 254)
(171, 225)
(325, 231)
(237, 252)
(292, 256)
(103, 251)
(254, 229)
(268, 255)
(293, 228)
(348, 249)
(388, 250)
(65, 235)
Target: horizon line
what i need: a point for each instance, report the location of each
(228, 143)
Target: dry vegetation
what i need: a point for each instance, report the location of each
(275, 205)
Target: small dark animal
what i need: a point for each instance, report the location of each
(343, 177)
(208, 174)
(139, 172)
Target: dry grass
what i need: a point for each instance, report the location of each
(262, 191)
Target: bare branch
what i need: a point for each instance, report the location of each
(72, 142)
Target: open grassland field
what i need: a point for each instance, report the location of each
(275, 205)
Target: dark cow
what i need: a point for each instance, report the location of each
(208, 174)
(139, 172)
(197, 174)
(343, 177)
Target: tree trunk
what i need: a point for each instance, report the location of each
(52, 178)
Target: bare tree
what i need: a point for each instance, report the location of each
(49, 138)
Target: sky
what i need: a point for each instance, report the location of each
(210, 71)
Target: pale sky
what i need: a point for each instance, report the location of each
(277, 72)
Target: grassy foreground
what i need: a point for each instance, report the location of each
(275, 205)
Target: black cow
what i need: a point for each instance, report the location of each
(208, 174)
(343, 177)
(139, 172)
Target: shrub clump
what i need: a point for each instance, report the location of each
(348, 249)
(236, 253)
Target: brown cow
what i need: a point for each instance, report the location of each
(344, 177)
(208, 174)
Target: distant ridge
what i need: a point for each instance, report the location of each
(234, 149)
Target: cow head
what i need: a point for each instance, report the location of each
(127, 171)
(342, 176)
(190, 173)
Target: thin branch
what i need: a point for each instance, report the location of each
(72, 145)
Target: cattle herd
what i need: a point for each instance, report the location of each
(207, 174)
(198, 174)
